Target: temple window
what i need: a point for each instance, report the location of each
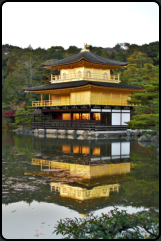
(53, 188)
(115, 188)
(76, 116)
(87, 193)
(88, 74)
(57, 116)
(66, 148)
(66, 116)
(79, 193)
(76, 149)
(104, 190)
(105, 75)
(81, 116)
(96, 116)
(85, 116)
(64, 75)
(96, 151)
(79, 74)
(64, 190)
(85, 150)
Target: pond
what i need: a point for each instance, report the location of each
(48, 178)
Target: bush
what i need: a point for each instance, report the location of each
(114, 225)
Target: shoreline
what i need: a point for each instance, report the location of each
(129, 134)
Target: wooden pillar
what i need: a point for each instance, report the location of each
(41, 99)
(90, 116)
(49, 99)
(41, 165)
(71, 118)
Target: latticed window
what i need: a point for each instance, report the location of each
(104, 190)
(64, 190)
(105, 75)
(88, 74)
(64, 75)
(53, 188)
(87, 193)
(115, 188)
(79, 73)
(79, 193)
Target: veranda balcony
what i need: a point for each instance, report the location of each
(85, 76)
(91, 101)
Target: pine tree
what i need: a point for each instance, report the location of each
(147, 109)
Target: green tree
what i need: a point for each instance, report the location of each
(28, 69)
(99, 51)
(104, 54)
(6, 122)
(134, 72)
(117, 47)
(73, 50)
(27, 72)
(156, 60)
(139, 59)
(114, 225)
(147, 109)
(8, 92)
(121, 56)
(112, 55)
(22, 118)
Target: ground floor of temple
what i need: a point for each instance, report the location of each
(84, 117)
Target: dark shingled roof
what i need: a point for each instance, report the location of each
(35, 112)
(87, 56)
(79, 84)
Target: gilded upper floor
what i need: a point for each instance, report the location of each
(83, 73)
(85, 66)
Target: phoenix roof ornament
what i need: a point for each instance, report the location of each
(85, 48)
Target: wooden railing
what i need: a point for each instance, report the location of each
(85, 76)
(76, 125)
(63, 124)
(67, 102)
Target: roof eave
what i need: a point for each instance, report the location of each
(83, 58)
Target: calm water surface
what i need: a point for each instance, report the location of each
(45, 179)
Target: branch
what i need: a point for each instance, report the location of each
(150, 232)
(103, 229)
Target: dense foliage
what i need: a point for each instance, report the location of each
(22, 67)
(142, 72)
(114, 225)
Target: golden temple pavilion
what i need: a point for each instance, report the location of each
(84, 95)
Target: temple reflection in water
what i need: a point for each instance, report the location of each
(95, 180)
(83, 193)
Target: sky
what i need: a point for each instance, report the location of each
(100, 24)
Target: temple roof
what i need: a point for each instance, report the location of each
(35, 112)
(89, 57)
(72, 84)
